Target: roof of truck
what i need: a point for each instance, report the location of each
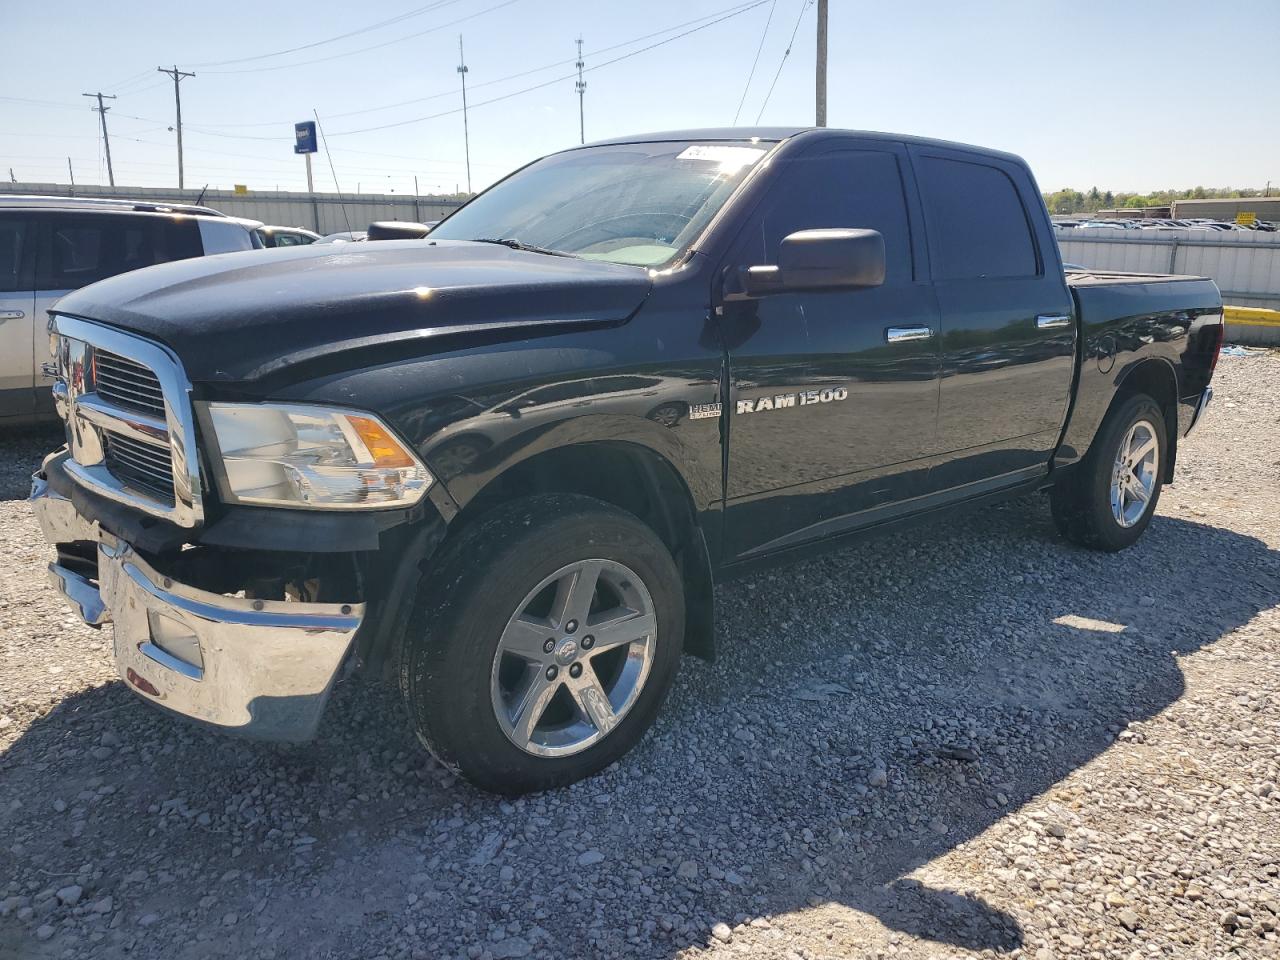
(773, 134)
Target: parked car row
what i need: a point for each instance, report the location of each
(50, 246)
(1165, 223)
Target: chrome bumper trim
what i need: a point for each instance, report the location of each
(1205, 399)
(264, 668)
(82, 593)
(59, 521)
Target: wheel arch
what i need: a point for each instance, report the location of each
(1155, 377)
(635, 478)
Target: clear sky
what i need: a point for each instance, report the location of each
(1122, 94)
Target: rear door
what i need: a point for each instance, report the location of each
(17, 315)
(1008, 331)
(833, 408)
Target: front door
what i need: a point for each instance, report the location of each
(17, 317)
(833, 397)
(1008, 329)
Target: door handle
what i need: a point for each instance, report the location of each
(907, 334)
(1047, 321)
(11, 315)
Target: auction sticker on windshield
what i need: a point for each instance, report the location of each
(730, 157)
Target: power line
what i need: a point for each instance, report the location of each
(547, 83)
(128, 81)
(342, 36)
(376, 46)
(804, 5)
(763, 34)
(750, 4)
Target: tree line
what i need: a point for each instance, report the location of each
(1068, 201)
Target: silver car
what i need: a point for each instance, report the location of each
(50, 246)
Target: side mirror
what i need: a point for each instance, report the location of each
(396, 230)
(828, 259)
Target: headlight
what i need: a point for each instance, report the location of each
(303, 456)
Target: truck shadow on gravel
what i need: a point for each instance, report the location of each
(872, 712)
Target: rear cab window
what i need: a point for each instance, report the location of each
(978, 226)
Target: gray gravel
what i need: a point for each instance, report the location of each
(964, 739)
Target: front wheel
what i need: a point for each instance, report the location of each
(1109, 499)
(544, 643)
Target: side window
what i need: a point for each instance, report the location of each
(976, 222)
(76, 253)
(13, 242)
(848, 188)
(180, 240)
(85, 249)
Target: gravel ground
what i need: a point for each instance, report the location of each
(967, 739)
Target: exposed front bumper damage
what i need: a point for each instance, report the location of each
(264, 668)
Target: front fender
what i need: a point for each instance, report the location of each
(498, 453)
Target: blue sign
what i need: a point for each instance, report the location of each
(305, 133)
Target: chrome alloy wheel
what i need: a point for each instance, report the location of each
(1133, 477)
(573, 658)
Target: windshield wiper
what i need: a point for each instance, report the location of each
(515, 244)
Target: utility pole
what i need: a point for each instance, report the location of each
(822, 64)
(177, 76)
(106, 142)
(466, 136)
(581, 87)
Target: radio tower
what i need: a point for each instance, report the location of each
(581, 86)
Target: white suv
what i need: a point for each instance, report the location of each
(50, 246)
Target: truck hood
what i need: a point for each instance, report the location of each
(243, 316)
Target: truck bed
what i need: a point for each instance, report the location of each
(1112, 278)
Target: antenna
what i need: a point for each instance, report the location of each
(337, 188)
(106, 142)
(581, 87)
(466, 136)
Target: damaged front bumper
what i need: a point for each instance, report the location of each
(264, 668)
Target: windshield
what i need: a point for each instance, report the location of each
(636, 203)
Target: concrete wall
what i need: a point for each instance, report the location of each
(323, 213)
(1244, 264)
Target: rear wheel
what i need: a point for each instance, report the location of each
(542, 648)
(1108, 500)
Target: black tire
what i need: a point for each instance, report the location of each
(466, 602)
(1081, 501)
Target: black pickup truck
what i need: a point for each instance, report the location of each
(508, 461)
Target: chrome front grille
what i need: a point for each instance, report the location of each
(130, 429)
(129, 384)
(141, 465)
